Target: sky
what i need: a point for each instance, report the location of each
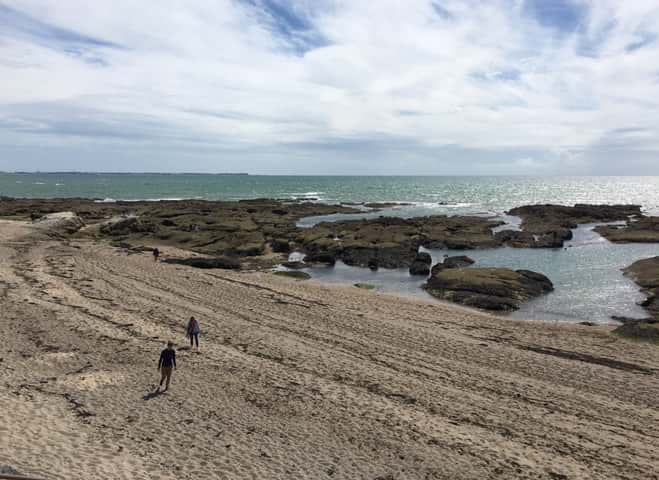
(430, 87)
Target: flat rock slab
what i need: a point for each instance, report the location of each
(498, 289)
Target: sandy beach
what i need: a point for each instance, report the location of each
(298, 379)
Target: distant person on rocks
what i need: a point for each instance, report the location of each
(156, 254)
(167, 364)
(193, 331)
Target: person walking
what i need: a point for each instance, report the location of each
(167, 364)
(156, 254)
(193, 331)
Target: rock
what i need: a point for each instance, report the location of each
(517, 239)
(640, 329)
(293, 274)
(642, 230)
(588, 324)
(365, 286)
(488, 288)
(168, 223)
(438, 267)
(324, 258)
(280, 245)
(645, 273)
(60, 222)
(550, 225)
(380, 205)
(7, 470)
(383, 255)
(126, 225)
(393, 241)
(294, 265)
(458, 261)
(421, 264)
(419, 268)
(206, 262)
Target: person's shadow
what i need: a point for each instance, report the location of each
(156, 393)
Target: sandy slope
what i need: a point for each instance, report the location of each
(299, 380)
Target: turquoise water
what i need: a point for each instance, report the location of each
(587, 278)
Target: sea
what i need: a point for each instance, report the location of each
(587, 276)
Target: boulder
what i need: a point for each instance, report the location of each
(419, 268)
(60, 222)
(421, 264)
(293, 274)
(645, 273)
(324, 258)
(642, 230)
(499, 289)
(226, 263)
(458, 261)
(126, 226)
(387, 255)
(550, 225)
(280, 245)
(639, 329)
(294, 265)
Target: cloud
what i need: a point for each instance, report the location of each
(331, 86)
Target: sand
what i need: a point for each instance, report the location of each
(299, 379)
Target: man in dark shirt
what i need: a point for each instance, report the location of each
(167, 363)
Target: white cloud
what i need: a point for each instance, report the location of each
(237, 76)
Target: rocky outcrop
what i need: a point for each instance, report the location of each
(421, 264)
(520, 239)
(297, 275)
(378, 256)
(548, 226)
(642, 230)
(322, 258)
(243, 228)
(294, 265)
(497, 289)
(225, 263)
(120, 226)
(458, 261)
(60, 222)
(280, 245)
(392, 242)
(645, 273)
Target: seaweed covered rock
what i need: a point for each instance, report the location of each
(548, 226)
(641, 230)
(322, 258)
(225, 263)
(121, 226)
(458, 261)
(280, 245)
(297, 275)
(60, 222)
(421, 264)
(392, 242)
(499, 289)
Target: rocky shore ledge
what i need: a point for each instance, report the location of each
(260, 233)
(645, 274)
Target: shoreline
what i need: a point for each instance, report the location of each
(298, 379)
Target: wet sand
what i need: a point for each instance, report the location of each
(299, 379)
